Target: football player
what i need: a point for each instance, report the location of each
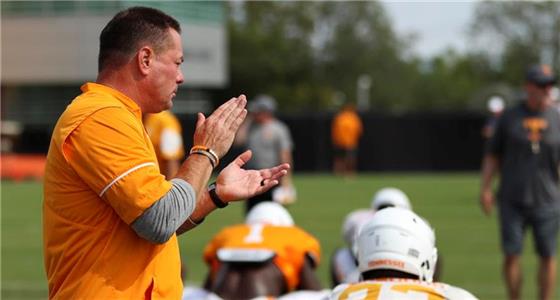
(344, 266)
(396, 259)
(390, 197)
(266, 256)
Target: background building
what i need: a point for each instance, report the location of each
(50, 48)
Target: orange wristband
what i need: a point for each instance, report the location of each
(211, 154)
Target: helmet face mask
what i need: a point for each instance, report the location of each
(390, 197)
(397, 239)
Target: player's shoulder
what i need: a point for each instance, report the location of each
(399, 286)
(306, 295)
(394, 289)
(301, 233)
(294, 238)
(456, 293)
(338, 290)
(343, 253)
(196, 293)
(368, 289)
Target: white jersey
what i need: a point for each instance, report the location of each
(399, 289)
(305, 295)
(196, 293)
(344, 266)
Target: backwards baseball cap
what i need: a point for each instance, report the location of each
(262, 103)
(540, 75)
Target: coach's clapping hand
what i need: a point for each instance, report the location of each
(218, 130)
(235, 183)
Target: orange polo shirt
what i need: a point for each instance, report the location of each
(346, 129)
(165, 132)
(289, 243)
(101, 174)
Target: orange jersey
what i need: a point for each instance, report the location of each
(346, 129)
(101, 174)
(399, 289)
(165, 132)
(290, 244)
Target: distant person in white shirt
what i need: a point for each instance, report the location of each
(270, 141)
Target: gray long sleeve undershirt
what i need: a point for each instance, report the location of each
(159, 222)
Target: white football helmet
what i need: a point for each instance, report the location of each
(269, 213)
(352, 224)
(390, 196)
(397, 239)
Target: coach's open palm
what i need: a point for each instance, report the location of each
(218, 130)
(235, 183)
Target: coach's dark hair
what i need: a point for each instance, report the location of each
(122, 36)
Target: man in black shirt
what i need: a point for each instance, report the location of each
(525, 149)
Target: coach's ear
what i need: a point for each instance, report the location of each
(144, 59)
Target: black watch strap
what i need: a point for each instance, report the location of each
(214, 196)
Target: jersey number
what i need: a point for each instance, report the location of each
(255, 234)
(376, 291)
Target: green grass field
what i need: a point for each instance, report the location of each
(467, 240)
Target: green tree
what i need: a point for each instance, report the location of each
(525, 33)
(270, 49)
(452, 80)
(359, 39)
(305, 53)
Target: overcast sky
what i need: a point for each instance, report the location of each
(438, 24)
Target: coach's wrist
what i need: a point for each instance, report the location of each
(218, 202)
(208, 152)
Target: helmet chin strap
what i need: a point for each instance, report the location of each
(425, 270)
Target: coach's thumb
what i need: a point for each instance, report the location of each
(201, 118)
(243, 158)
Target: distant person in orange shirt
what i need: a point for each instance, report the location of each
(346, 132)
(164, 130)
(110, 218)
(266, 256)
